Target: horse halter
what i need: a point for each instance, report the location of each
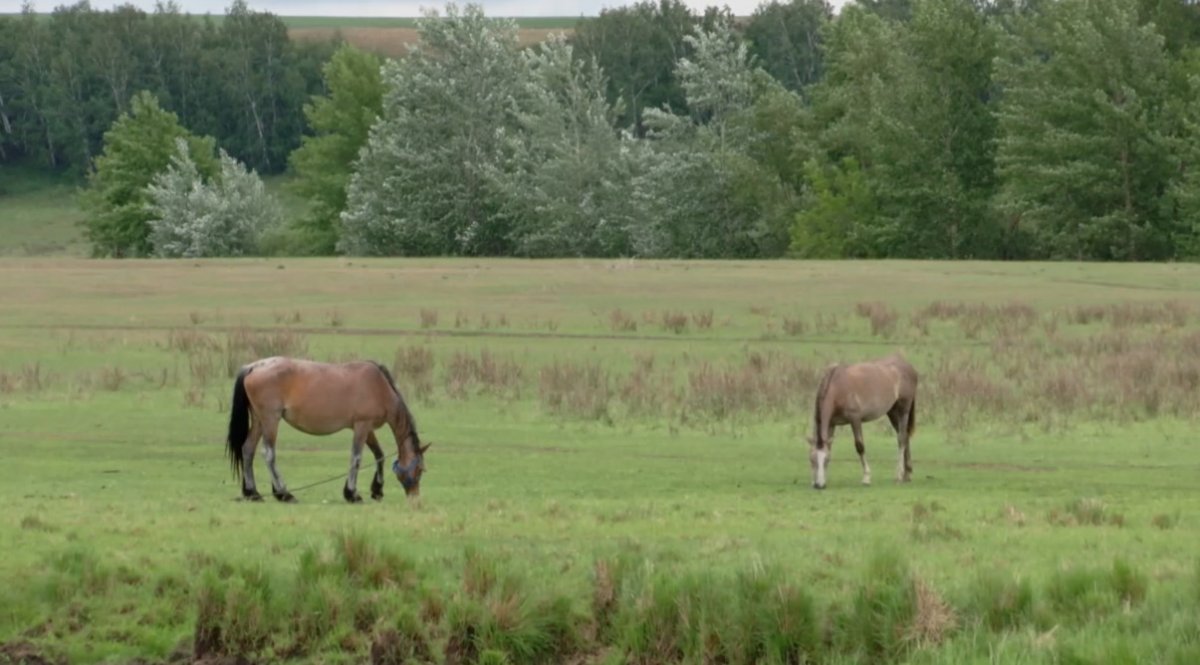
(407, 473)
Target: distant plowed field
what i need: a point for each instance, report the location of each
(394, 41)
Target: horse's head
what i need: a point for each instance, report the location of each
(409, 473)
(818, 459)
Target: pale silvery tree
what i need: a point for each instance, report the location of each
(192, 218)
(566, 186)
(705, 194)
(422, 183)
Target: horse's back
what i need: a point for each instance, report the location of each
(319, 397)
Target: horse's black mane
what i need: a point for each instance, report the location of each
(412, 423)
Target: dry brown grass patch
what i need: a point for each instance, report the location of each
(882, 318)
(934, 619)
(621, 321)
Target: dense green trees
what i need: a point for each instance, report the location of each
(138, 147)
(340, 121)
(422, 184)
(895, 128)
(66, 78)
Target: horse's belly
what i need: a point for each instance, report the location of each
(314, 424)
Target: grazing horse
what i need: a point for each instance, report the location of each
(321, 398)
(859, 393)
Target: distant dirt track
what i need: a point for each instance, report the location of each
(505, 334)
(394, 42)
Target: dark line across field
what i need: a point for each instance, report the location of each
(499, 334)
(470, 448)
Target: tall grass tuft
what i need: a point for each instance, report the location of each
(413, 367)
(245, 345)
(1001, 601)
(879, 622)
(581, 390)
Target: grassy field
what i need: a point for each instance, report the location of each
(38, 214)
(618, 471)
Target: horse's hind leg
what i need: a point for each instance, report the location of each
(249, 489)
(377, 481)
(350, 491)
(278, 487)
(862, 451)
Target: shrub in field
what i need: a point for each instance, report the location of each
(621, 321)
(429, 318)
(675, 322)
(413, 366)
(486, 373)
(882, 318)
(582, 390)
(794, 327)
(244, 345)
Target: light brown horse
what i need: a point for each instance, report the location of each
(859, 393)
(321, 398)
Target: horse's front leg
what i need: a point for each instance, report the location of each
(899, 418)
(350, 491)
(862, 451)
(377, 481)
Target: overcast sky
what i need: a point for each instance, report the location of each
(392, 7)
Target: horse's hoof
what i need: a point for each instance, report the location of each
(286, 497)
(253, 497)
(818, 487)
(866, 482)
(353, 498)
(378, 496)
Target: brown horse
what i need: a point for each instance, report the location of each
(859, 393)
(321, 398)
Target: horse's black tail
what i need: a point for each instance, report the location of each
(239, 421)
(821, 390)
(912, 419)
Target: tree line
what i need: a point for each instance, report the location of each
(895, 128)
(65, 78)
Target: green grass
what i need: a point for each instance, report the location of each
(685, 533)
(39, 214)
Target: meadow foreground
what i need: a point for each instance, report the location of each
(619, 470)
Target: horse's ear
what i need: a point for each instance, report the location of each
(425, 447)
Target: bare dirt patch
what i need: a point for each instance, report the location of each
(395, 42)
(26, 653)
